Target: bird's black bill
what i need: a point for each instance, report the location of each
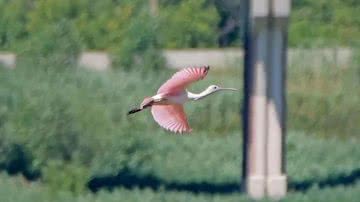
(133, 111)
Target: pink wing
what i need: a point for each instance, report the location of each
(181, 79)
(171, 117)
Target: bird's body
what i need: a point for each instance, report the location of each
(167, 104)
(175, 98)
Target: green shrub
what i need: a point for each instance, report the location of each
(322, 101)
(189, 24)
(140, 46)
(184, 24)
(324, 23)
(53, 46)
(65, 176)
(102, 24)
(13, 23)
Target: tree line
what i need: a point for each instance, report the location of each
(107, 24)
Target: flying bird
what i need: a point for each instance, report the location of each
(167, 105)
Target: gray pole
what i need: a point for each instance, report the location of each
(256, 46)
(276, 104)
(264, 102)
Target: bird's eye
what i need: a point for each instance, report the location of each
(215, 87)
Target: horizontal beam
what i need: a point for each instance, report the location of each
(267, 8)
(217, 58)
(259, 8)
(280, 8)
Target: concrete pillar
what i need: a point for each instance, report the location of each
(256, 44)
(264, 103)
(257, 105)
(276, 104)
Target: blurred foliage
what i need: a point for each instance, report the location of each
(189, 24)
(66, 128)
(325, 23)
(316, 98)
(13, 22)
(14, 190)
(76, 116)
(74, 123)
(53, 46)
(139, 47)
(69, 177)
(104, 25)
(317, 173)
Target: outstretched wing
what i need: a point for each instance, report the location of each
(181, 79)
(171, 117)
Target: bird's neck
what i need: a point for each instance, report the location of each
(197, 96)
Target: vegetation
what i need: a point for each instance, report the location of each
(54, 46)
(316, 104)
(317, 173)
(325, 23)
(18, 190)
(69, 131)
(140, 46)
(189, 24)
(65, 134)
(180, 24)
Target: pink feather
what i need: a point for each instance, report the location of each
(181, 79)
(171, 117)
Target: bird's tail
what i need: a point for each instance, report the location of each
(133, 111)
(148, 101)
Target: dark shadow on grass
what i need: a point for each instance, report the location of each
(332, 181)
(18, 162)
(129, 180)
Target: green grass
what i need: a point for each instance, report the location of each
(318, 169)
(324, 101)
(69, 127)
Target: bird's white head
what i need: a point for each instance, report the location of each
(215, 88)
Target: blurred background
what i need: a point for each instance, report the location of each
(71, 69)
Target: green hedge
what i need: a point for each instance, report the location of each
(183, 24)
(104, 24)
(324, 23)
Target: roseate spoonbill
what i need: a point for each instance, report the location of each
(167, 105)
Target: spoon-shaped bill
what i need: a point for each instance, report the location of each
(233, 89)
